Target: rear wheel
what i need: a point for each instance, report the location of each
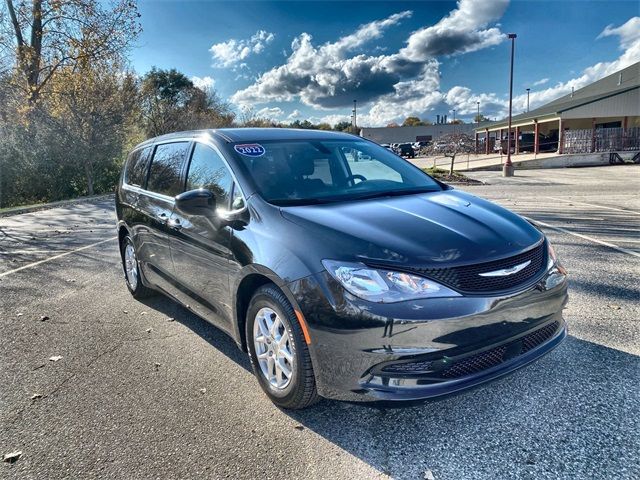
(279, 355)
(132, 269)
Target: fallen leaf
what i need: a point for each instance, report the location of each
(428, 475)
(36, 396)
(615, 307)
(149, 330)
(170, 319)
(143, 313)
(157, 366)
(20, 314)
(44, 318)
(55, 358)
(299, 427)
(12, 457)
(203, 390)
(125, 311)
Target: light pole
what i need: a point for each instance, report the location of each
(478, 115)
(355, 124)
(528, 89)
(507, 170)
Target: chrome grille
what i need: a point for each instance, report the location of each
(467, 278)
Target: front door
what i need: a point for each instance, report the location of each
(200, 244)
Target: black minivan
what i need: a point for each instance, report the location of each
(342, 270)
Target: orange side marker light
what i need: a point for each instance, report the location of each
(303, 325)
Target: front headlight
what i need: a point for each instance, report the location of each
(384, 286)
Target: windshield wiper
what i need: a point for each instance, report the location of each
(391, 193)
(288, 202)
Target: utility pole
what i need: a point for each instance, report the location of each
(507, 169)
(355, 123)
(478, 116)
(528, 89)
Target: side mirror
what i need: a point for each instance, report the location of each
(197, 202)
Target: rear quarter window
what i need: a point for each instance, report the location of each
(135, 172)
(166, 168)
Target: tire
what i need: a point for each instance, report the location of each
(134, 282)
(299, 389)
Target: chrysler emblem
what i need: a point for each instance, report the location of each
(506, 271)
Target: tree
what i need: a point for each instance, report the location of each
(450, 146)
(343, 126)
(457, 121)
(91, 114)
(46, 36)
(480, 118)
(413, 122)
(305, 125)
(323, 126)
(171, 102)
(392, 125)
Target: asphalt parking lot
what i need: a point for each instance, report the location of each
(138, 395)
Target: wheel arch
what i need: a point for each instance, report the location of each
(255, 276)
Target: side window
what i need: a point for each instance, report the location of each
(207, 170)
(136, 170)
(361, 163)
(166, 168)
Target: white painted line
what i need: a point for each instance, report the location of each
(591, 239)
(55, 257)
(25, 252)
(597, 206)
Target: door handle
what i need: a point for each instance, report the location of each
(174, 224)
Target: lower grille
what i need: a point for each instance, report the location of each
(478, 362)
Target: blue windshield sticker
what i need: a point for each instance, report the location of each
(250, 149)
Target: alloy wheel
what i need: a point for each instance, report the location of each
(273, 348)
(131, 265)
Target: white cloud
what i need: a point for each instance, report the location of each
(495, 106)
(231, 52)
(332, 75)
(390, 87)
(271, 113)
(333, 119)
(295, 114)
(203, 83)
(462, 31)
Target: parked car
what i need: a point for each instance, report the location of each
(348, 280)
(406, 150)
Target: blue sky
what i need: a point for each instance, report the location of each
(310, 59)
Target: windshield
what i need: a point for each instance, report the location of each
(307, 172)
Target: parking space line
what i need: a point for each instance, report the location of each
(55, 257)
(595, 205)
(591, 239)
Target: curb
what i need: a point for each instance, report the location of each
(46, 206)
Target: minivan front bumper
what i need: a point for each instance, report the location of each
(421, 349)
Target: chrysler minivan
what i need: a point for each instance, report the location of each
(342, 270)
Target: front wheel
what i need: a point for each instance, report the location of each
(278, 352)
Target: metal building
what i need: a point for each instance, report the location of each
(601, 117)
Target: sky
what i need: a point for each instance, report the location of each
(288, 60)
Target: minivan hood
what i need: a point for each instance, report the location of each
(447, 227)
